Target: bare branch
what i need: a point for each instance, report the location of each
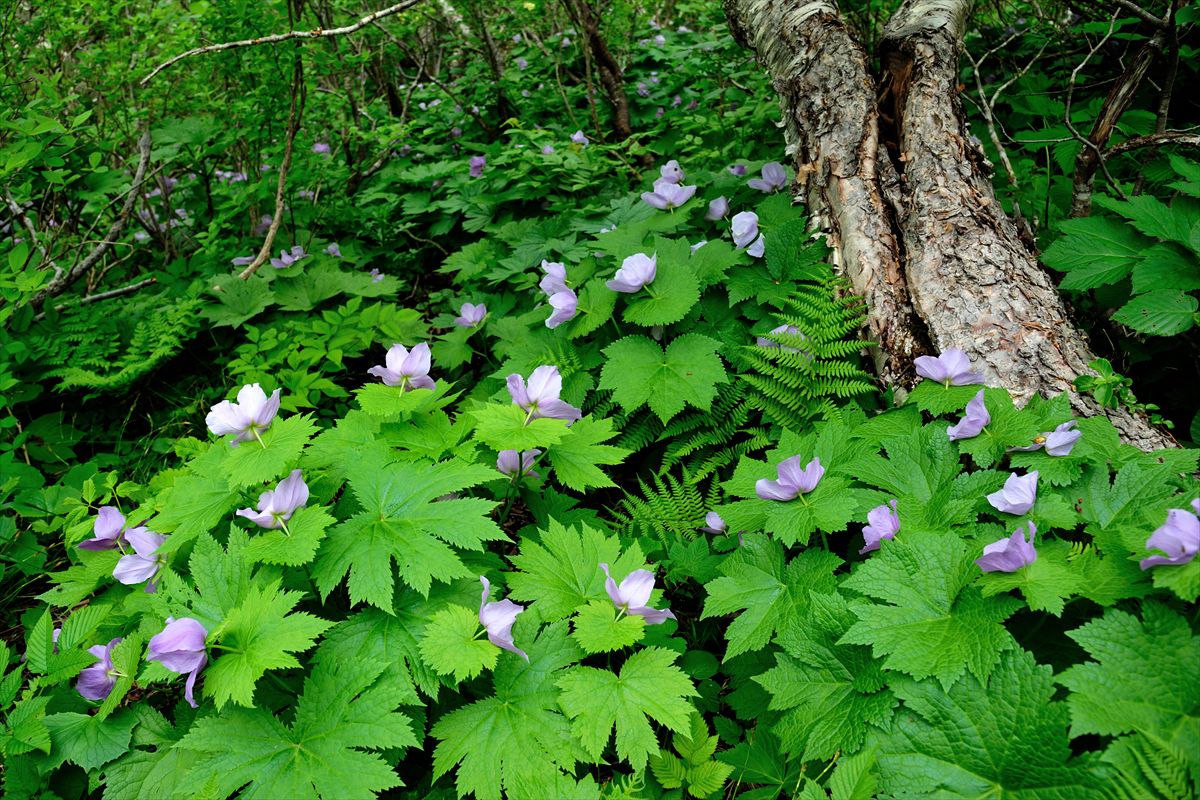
(95, 298)
(294, 114)
(316, 33)
(64, 278)
(1142, 13)
(19, 214)
(1154, 140)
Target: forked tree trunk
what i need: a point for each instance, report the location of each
(890, 175)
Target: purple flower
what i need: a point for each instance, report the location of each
(660, 40)
(1179, 538)
(793, 481)
(633, 594)
(96, 681)
(643, 90)
(671, 172)
(744, 227)
(951, 368)
(456, 131)
(107, 530)
(242, 261)
(713, 523)
(321, 147)
(676, 101)
(516, 37)
(470, 315)
(276, 507)
(180, 648)
(1018, 495)
(565, 305)
(717, 209)
(635, 272)
(882, 523)
(555, 279)
(547, 149)
(668, 195)
(286, 259)
(774, 176)
(697, 245)
(334, 250)
(976, 419)
(144, 563)
(264, 223)
(737, 169)
(577, 137)
(1058, 442)
(498, 618)
(1010, 554)
(514, 464)
(540, 398)
(252, 414)
(790, 330)
(477, 163)
(408, 370)
(522, 63)
(756, 249)
(566, 42)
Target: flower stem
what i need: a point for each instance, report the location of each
(254, 431)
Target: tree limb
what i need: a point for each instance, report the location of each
(294, 113)
(316, 33)
(64, 278)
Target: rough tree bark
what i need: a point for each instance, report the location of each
(890, 175)
(612, 77)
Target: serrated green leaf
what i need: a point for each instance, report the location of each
(306, 530)
(768, 594)
(1002, 737)
(262, 633)
(597, 629)
(506, 427)
(640, 372)
(1164, 312)
(89, 741)
(1141, 677)
(250, 463)
(1094, 251)
(1046, 583)
(576, 457)
(405, 518)
(648, 685)
(498, 741)
(929, 621)
(452, 644)
(937, 398)
(561, 572)
(346, 710)
(672, 294)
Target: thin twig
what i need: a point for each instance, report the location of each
(19, 214)
(95, 298)
(294, 114)
(316, 33)
(64, 278)
(1154, 140)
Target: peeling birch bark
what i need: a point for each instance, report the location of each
(920, 224)
(830, 127)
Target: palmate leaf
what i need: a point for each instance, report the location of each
(260, 634)
(1046, 583)
(928, 622)
(640, 372)
(516, 742)
(506, 427)
(561, 570)
(674, 291)
(250, 463)
(403, 520)
(452, 644)
(1162, 312)
(1094, 251)
(831, 693)
(649, 685)
(999, 738)
(86, 740)
(597, 629)
(1142, 677)
(577, 457)
(768, 593)
(346, 710)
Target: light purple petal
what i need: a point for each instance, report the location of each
(759, 247)
(775, 490)
(290, 494)
(179, 646)
(1062, 440)
(952, 367)
(713, 523)
(744, 227)
(1179, 538)
(555, 279)
(516, 389)
(566, 307)
(559, 409)
(973, 423)
(636, 588)
(1018, 495)
(883, 522)
(1010, 554)
(225, 418)
(133, 569)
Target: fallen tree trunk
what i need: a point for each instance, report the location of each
(915, 225)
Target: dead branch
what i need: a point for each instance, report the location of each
(316, 33)
(295, 111)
